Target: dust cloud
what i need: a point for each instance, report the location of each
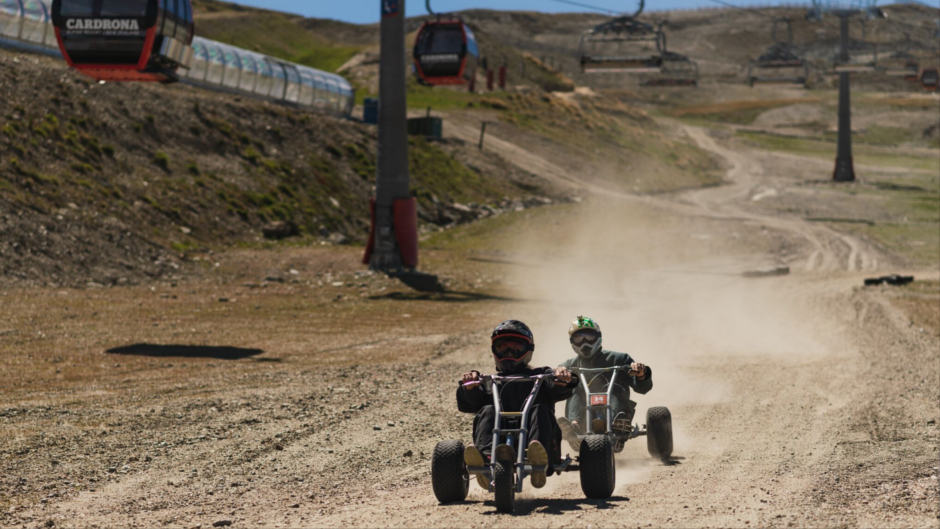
(666, 290)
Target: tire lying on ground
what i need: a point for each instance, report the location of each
(659, 432)
(449, 476)
(893, 279)
(598, 472)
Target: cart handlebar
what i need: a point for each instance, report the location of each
(508, 378)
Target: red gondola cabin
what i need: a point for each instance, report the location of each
(445, 52)
(125, 40)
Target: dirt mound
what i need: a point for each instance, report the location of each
(110, 183)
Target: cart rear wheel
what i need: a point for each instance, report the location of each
(598, 473)
(448, 473)
(659, 432)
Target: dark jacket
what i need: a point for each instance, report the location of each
(513, 395)
(607, 358)
(574, 408)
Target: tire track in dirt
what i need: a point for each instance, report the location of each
(830, 250)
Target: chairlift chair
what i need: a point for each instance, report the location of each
(780, 63)
(912, 68)
(856, 64)
(901, 63)
(929, 78)
(863, 56)
(677, 70)
(622, 45)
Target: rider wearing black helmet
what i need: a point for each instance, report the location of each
(512, 345)
(585, 337)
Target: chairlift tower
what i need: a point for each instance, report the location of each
(392, 247)
(845, 9)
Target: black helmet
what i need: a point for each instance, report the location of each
(509, 359)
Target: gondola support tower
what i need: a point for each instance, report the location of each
(844, 169)
(392, 247)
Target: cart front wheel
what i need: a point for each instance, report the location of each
(598, 472)
(448, 473)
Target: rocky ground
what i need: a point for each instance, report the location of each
(292, 387)
(165, 364)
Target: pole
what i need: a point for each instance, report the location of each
(844, 170)
(391, 182)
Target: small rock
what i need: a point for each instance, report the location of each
(390, 423)
(279, 446)
(295, 506)
(50, 523)
(376, 427)
(221, 523)
(408, 453)
(337, 238)
(223, 300)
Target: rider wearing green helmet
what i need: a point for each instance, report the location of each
(585, 337)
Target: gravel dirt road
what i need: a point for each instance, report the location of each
(288, 388)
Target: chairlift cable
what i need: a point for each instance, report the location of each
(589, 6)
(747, 9)
(910, 26)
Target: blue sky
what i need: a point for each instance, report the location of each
(366, 11)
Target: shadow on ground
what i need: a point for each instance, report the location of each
(446, 295)
(221, 352)
(673, 460)
(558, 506)
(428, 287)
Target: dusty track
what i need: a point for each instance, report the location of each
(797, 400)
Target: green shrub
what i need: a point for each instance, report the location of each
(162, 160)
(250, 154)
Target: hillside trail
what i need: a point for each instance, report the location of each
(761, 376)
(829, 249)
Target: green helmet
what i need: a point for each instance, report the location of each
(585, 336)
